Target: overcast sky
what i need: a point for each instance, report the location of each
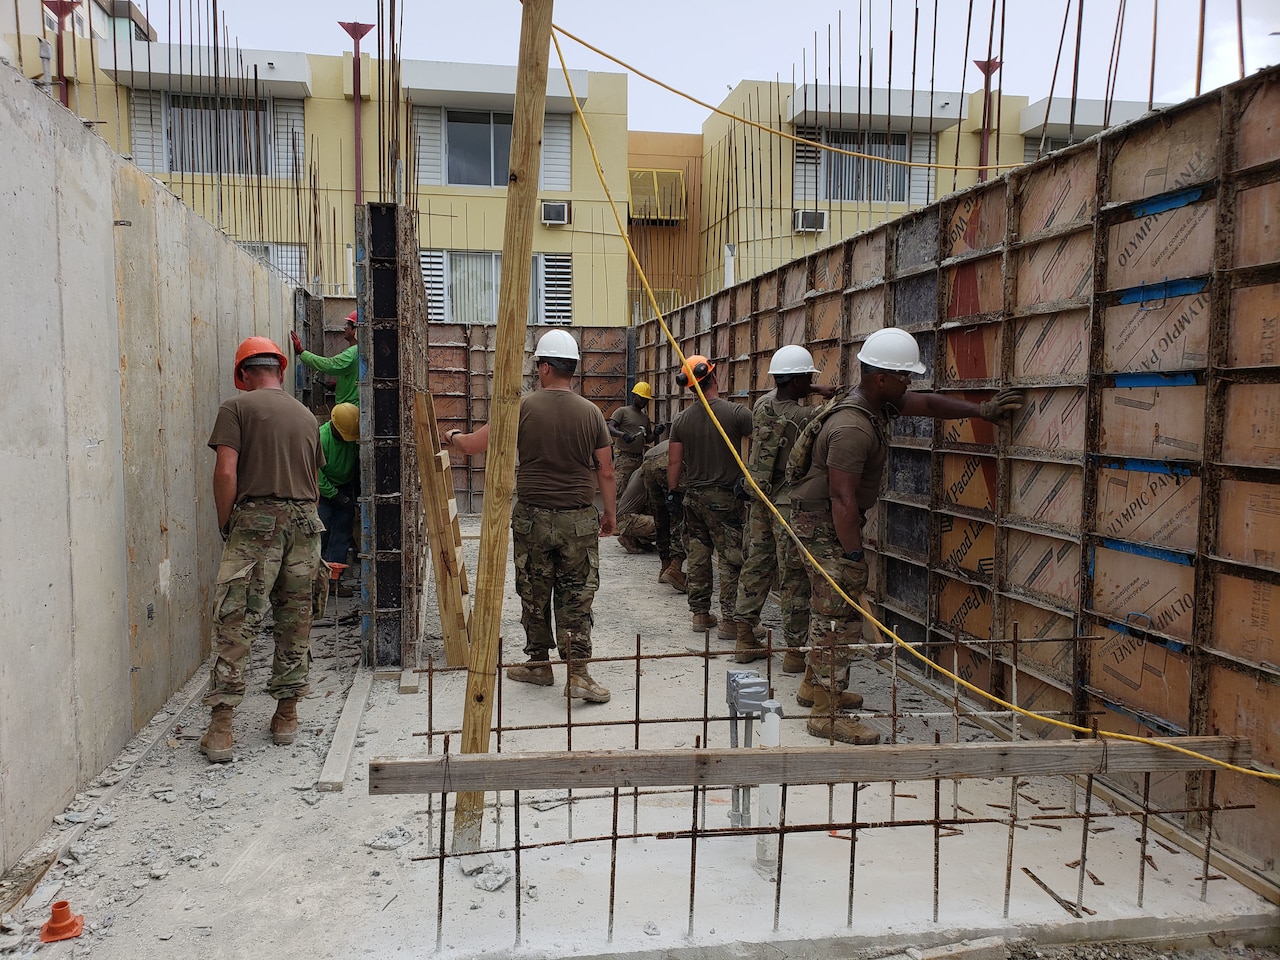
(704, 47)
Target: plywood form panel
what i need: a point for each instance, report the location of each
(969, 480)
(826, 318)
(917, 240)
(1045, 567)
(742, 339)
(1159, 423)
(965, 608)
(1043, 698)
(793, 326)
(972, 353)
(767, 291)
(1258, 225)
(828, 268)
(740, 375)
(1052, 420)
(448, 382)
(1169, 153)
(967, 663)
(966, 544)
(795, 282)
(907, 585)
(1157, 508)
(972, 430)
(973, 287)
(722, 307)
(1054, 270)
(867, 260)
(1249, 523)
(1046, 493)
(1045, 638)
(1154, 594)
(908, 529)
(1246, 619)
(975, 222)
(1258, 132)
(826, 357)
(1051, 345)
(915, 300)
(604, 364)
(866, 312)
(1166, 336)
(1161, 246)
(1061, 193)
(1251, 836)
(910, 471)
(767, 332)
(1146, 677)
(723, 344)
(1254, 331)
(1246, 705)
(1252, 429)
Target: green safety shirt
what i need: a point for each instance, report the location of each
(342, 459)
(345, 366)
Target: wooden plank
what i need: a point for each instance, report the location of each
(1251, 434)
(1249, 523)
(1173, 335)
(334, 772)
(1254, 333)
(1174, 150)
(1158, 423)
(1051, 345)
(1161, 246)
(596, 769)
(1258, 225)
(1158, 508)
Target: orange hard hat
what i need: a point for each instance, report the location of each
(696, 367)
(257, 347)
(351, 317)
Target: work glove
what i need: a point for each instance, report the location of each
(675, 501)
(741, 490)
(629, 438)
(225, 531)
(659, 430)
(296, 341)
(1002, 406)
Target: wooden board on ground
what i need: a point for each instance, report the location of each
(334, 773)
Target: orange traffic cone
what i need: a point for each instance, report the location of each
(62, 925)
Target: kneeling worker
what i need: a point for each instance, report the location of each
(338, 484)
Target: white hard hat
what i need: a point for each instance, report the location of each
(892, 349)
(557, 345)
(791, 359)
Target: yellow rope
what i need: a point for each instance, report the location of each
(997, 167)
(809, 558)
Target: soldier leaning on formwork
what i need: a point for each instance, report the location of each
(701, 475)
(265, 489)
(837, 466)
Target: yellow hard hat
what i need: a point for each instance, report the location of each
(642, 389)
(346, 421)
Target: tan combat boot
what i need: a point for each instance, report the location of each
(536, 671)
(702, 622)
(581, 686)
(804, 696)
(750, 646)
(793, 662)
(284, 725)
(828, 724)
(631, 545)
(662, 570)
(674, 576)
(217, 739)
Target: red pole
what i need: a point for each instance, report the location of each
(988, 67)
(355, 31)
(62, 9)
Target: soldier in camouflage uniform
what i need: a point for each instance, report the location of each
(703, 469)
(631, 429)
(668, 524)
(771, 557)
(265, 488)
(836, 467)
(564, 458)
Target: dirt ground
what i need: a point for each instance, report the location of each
(167, 855)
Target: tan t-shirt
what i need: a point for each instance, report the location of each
(848, 441)
(559, 435)
(630, 420)
(278, 441)
(706, 460)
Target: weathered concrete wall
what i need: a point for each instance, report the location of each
(121, 312)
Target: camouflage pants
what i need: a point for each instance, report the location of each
(624, 465)
(668, 528)
(833, 624)
(270, 559)
(638, 526)
(713, 525)
(557, 556)
(772, 558)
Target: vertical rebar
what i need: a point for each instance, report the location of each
(613, 863)
(515, 813)
(1200, 50)
(853, 854)
(444, 806)
(1151, 82)
(693, 853)
(1142, 839)
(1075, 72)
(777, 870)
(937, 834)
(1084, 840)
(1208, 838)
(635, 791)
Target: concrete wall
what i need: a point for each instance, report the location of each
(120, 335)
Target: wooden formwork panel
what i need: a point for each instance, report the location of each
(767, 291)
(867, 259)
(1157, 508)
(1246, 619)
(902, 428)
(964, 608)
(972, 353)
(1051, 345)
(767, 332)
(866, 312)
(926, 340)
(442, 358)
(607, 388)
(763, 381)
(1251, 434)
(1170, 335)
(742, 301)
(971, 430)
(1171, 152)
(1045, 637)
(795, 282)
(1054, 270)
(447, 382)
(907, 585)
(1249, 523)
(604, 364)
(1258, 133)
(826, 357)
(967, 663)
(1246, 705)
(740, 376)
(1152, 593)
(702, 316)
(446, 335)
(915, 300)
(792, 326)
(1060, 193)
(1161, 246)
(450, 408)
(1258, 225)
(1251, 835)
(916, 240)
(741, 338)
(1053, 419)
(1044, 566)
(1043, 698)
(703, 343)
(603, 339)
(722, 307)
(969, 480)
(1159, 423)
(828, 268)
(826, 318)
(907, 529)
(910, 471)
(723, 342)
(976, 221)
(967, 544)
(1144, 676)
(1046, 493)
(973, 287)
(1254, 331)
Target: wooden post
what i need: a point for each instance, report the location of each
(513, 309)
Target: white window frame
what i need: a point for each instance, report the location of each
(493, 174)
(429, 128)
(280, 118)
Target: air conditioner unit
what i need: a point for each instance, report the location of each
(809, 221)
(555, 212)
